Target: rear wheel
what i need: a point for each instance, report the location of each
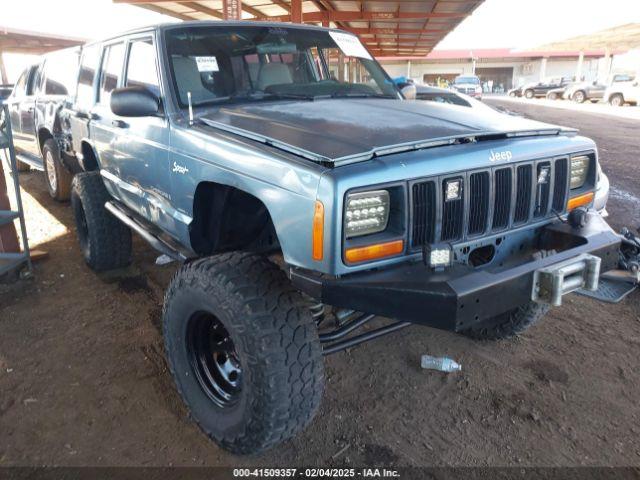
(529, 94)
(58, 178)
(104, 240)
(244, 351)
(616, 100)
(508, 324)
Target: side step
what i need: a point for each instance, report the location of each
(32, 161)
(146, 231)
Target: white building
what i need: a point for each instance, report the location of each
(506, 68)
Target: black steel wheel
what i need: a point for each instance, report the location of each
(105, 242)
(243, 349)
(214, 359)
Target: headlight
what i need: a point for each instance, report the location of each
(366, 213)
(579, 170)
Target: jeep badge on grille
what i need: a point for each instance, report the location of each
(500, 156)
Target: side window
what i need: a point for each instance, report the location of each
(141, 67)
(61, 73)
(88, 67)
(21, 85)
(112, 63)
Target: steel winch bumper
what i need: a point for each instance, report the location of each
(561, 259)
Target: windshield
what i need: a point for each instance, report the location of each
(473, 80)
(250, 63)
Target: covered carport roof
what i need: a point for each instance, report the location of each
(13, 40)
(387, 28)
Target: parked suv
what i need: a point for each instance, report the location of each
(469, 85)
(305, 198)
(622, 92)
(40, 140)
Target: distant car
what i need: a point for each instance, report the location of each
(469, 85)
(620, 93)
(440, 95)
(540, 89)
(515, 92)
(583, 91)
(557, 93)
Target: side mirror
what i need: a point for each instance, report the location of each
(134, 102)
(409, 92)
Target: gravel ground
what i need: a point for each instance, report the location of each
(83, 380)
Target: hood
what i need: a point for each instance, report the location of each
(342, 131)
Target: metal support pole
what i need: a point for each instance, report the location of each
(579, 67)
(296, 11)
(4, 79)
(232, 9)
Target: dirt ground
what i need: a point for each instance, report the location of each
(83, 380)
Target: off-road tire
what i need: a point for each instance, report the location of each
(529, 94)
(57, 177)
(105, 241)
(276, 341)
(508, 324)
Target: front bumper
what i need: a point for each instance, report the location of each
(461, 296)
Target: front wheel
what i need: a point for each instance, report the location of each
(244, 351)
(616, 100)
(552, 96)
(508, 324)
(104, 240)
(529, 94)
(579, 97)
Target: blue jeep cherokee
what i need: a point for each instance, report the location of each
(305, 196)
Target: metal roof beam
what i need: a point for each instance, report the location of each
(349, 16)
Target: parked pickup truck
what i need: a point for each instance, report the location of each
(40, 140)
(305, 197)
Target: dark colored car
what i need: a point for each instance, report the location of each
(40, 139)
(540, 89)
(515, 92)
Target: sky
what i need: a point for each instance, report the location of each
(530, 23)
(496, 23)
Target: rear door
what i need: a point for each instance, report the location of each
(28, 142)
(13, 102)
(141, 143)
(103, 132)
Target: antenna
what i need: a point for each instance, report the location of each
(191, 122)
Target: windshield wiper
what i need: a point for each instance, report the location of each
(360, 95)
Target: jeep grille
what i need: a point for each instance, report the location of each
(491, 201)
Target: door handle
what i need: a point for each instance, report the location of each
(119, 124)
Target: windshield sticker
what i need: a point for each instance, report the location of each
(350, 45)
(207, 64)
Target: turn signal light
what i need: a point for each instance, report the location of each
(318, 232)
(580, 201)
(373, 252)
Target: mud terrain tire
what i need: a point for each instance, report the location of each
(269, 333)
(104, 240)
(508, 324)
